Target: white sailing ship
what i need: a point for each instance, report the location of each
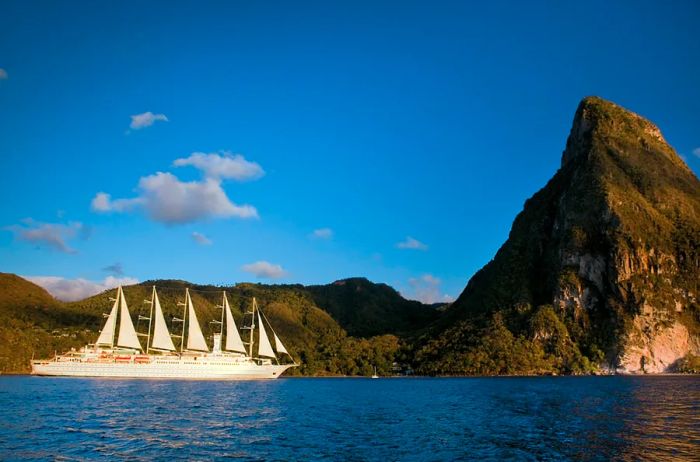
(123, 356)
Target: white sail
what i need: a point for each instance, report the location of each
(279, 346)
(161, 335)
(233, 338)
(264, 347)
(107, 335)
(195, 338)
(127, 333)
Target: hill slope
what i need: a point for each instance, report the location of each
(600, 267)
(365, 309)
(34, 323)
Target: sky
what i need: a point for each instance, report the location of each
(305, 142)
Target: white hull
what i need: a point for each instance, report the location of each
(163, 367)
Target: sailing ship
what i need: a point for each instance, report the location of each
(122, 355)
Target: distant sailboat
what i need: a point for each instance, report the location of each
(126, 358)
(375, 376)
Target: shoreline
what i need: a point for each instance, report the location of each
(294, 377)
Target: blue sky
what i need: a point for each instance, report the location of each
(405, 135)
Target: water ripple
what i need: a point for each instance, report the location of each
(538, 419)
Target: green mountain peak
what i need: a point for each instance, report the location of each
(606, 255)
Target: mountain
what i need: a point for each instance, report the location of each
(364, 308)
(600, 268)
(20, 298)
(34, 323)
(599, 273)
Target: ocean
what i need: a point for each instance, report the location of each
(652, 418)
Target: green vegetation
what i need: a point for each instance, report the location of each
(614, 232)
(365, 309)
(611, 243)
(689, 365)
(546, 348)
(34, 323)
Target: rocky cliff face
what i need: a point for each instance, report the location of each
(647, 270)
(611, 243)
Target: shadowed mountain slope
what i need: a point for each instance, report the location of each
(600, 268)
(365, 309)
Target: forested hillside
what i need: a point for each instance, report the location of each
(34, 323)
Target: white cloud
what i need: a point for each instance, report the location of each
(223, 165)
(168, 200)
(115, 269)
(70, 290)
(427, 289)
(322, 233)
(102, 202)
(201, 239)
(3, 74)
(264, 270)
(696, 152)
(52, 235)
(146, 119)
(411, 243)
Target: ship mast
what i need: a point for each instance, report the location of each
(184, 317)
(221, 322)
(223, 309)
(252, 327)
(114, 327)
(150, 318)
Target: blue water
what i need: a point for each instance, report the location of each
(566, 418)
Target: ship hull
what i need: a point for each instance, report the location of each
(181, 369)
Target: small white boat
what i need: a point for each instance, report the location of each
(375, 376)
